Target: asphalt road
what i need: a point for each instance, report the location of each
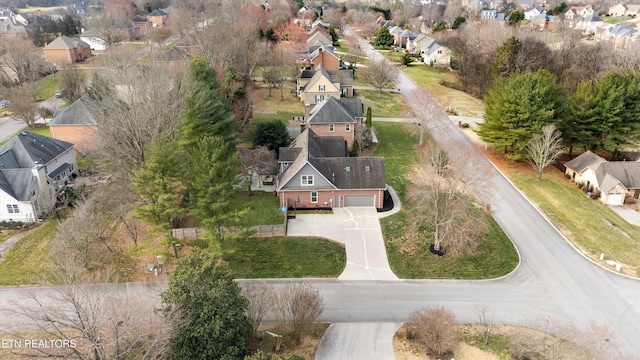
(9, 126)
(553, 279)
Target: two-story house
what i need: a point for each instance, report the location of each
(33, 168)
(315, 172)
(76, 124)
(336, 117)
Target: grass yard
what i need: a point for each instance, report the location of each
(384, 105)
(588, 224)
(429, 79)
(263, 208)
(285, 109)
(48, 86)
(285, 257)
(42, 130)
(26, 262)
(495, 257)
(396, 146)
(6, 234)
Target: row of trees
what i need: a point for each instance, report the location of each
(601, 114)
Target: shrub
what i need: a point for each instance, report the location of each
(437, 329)
(465, 125)
(11, 225)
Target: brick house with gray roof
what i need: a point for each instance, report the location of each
(77, 124)
(337, 117)
(33, 168)
(315, 172)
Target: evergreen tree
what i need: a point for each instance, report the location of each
(369, 118)
(212, 173)
(384, 37)
(608, 111)
(458, 22)
(515, 17)
(334, 34)
(506, 58)
(441, 25)
(272, 134)
(207, 309)
(520, 106)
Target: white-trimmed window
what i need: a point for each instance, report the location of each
(314, 197)
(347, 127)
(13, 209)
(319, 98)
(330, 127)
(320, 87)
(306, 180)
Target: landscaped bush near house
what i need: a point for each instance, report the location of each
(11, 225)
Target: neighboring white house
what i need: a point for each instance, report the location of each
(434, 54)
(615, 180)
(95, 43)
(33, 168)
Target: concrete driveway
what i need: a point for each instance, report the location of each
(358, 228)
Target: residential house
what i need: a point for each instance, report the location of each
(316, 85)
(10, 28)
(622, 37)
(142, 23)
(524, 4)
(157, 18)
(77, 7)
(615, 180)
(589, 24)
(315, 172)
(488, 14)
(632, 10)
(319, 39)
(396, 31)
(327, 58)
(617, 10)
(405, 38)
(531, 13)
(577, 12)
(415, 45)
(33, 168)
(336, 117)
(66, 50)
(173, 59)
(76, 124)
(434, 54)
(92, 39)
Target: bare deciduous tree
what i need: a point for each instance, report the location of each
(261, 301)
(445, 206)
(380, 74)
(363, 136)
(20, 60)
(544, 148)
(304, 306)
(485, 319)
(424, 110)
(73, 81)
(23, 104)
(356, 52)
(437, 329)
(140, 105)
(258, 161)
(110, 28)
(89, 323)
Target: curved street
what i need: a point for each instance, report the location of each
(553, 278)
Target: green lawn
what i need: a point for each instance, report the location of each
(429, 78)
(385, 104)
(395, 144)
(495, 257)
(285, 257)
(263, 208)
(26, 262)
(6, 234)
(589, 224)
(43, 130)
(48, 86)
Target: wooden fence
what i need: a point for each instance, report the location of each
(256, 231)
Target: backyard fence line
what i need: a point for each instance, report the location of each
(195, 233)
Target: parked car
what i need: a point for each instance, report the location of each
(5, 104)
(58, 94)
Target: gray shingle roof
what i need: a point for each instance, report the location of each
(18, 183)
(76, 114)
(157, 13)
(627, 172)
(332, 110)
(586, 160)
(40, 148)
(327, 154)
(65, 43)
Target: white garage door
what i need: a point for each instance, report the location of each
(358, 200)
(615, 199)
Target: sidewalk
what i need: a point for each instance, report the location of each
(5, 246)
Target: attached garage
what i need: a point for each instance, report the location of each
(615, 199)
(359, 200)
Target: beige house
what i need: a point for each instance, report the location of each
(617, 10)
(616, 181)
(65, 50)
(434, 54)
